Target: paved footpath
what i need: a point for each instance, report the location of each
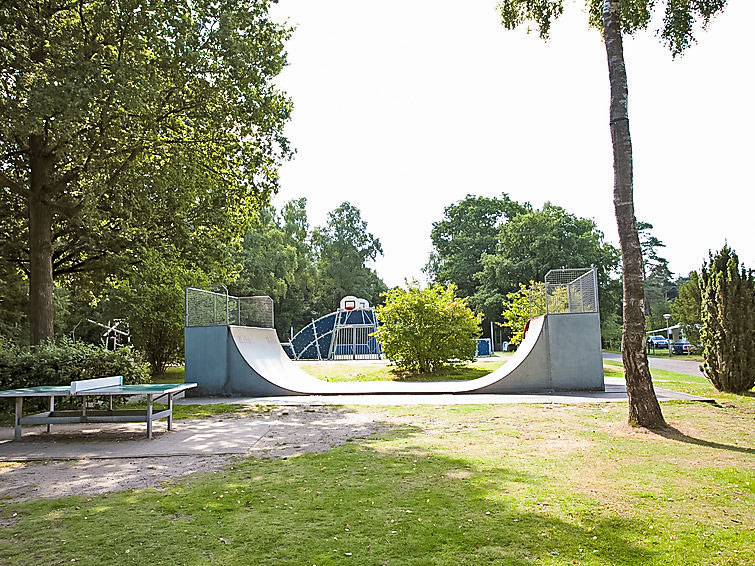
(675, 364)
(616, 391)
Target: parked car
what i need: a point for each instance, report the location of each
(657, 342)
(682, 347)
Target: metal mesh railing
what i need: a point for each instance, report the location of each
(571, 290)
(208, 308)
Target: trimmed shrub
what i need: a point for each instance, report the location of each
(427, 329)
(728, 322)
(59, 364)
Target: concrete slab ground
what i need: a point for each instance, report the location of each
(230, 435)
(615, 392)
(104, 441)
(76, 460)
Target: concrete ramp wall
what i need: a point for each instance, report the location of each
(560, 352)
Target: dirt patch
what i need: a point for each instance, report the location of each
(292, 431)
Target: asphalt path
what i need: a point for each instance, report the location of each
(675, 364)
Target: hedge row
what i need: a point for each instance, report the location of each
(62, 363)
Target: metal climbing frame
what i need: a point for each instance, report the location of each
(352, 336)
(571, 290)
(208, 308)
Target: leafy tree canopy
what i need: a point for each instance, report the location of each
(468, 230)
(686, 307)
(521, 305)
(728, 317)
(679, 19)
(343, 249)
(535, 242)
(129, 124)
(277, 260)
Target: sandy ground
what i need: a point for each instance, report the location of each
(288, 431)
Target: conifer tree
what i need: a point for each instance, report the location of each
(728, 316)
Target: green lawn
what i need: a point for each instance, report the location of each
(356, 371)
(694, 385)
(174, 374)
(466, 485)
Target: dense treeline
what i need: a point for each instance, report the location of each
(308, 271)
(489, 246)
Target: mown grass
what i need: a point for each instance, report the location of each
(173, 374)
(692, 384)
(519, 485)
(467, 485)
(204, 411)
(356, 371)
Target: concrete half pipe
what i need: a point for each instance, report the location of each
(561, 352)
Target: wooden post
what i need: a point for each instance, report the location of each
(17, 420)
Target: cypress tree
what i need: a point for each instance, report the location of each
(728, 322)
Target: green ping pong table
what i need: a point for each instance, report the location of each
(102, 387)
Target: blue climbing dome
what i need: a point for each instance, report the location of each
(341, 335)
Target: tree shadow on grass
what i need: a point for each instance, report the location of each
(360, 503)
(673, 433)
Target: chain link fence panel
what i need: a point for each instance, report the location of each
(209, 308)
(571, 290)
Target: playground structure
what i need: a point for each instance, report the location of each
(560, 352)
(345, 334)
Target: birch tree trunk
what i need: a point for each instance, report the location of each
(644, 409)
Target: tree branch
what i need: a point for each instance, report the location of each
(16, 188)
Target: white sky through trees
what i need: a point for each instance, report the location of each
(404, 106)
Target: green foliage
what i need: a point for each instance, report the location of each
(426, 329)
(14, 300)
(148, 123)
(534, 242)
(658, 283)
(728, 322)
(59, 364)
(468, 230)
(343, 249)
(610, 330)
(152, 299)
(521, 305)
(277, 260)
(307, 272)
(680, 18)
(687, 306)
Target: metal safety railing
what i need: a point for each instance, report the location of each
(571, 290)
(210, 308)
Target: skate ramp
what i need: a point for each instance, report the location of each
(559, 352)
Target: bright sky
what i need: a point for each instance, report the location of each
(405, 106)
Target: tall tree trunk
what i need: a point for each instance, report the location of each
(644, 409)
(41, 308)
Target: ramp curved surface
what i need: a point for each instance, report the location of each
(259, 366)
(560, 352)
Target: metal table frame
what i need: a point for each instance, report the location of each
(85, 415)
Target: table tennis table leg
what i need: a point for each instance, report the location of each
(170, 409)
(52, 408)
(17, 420)
(149, 416)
